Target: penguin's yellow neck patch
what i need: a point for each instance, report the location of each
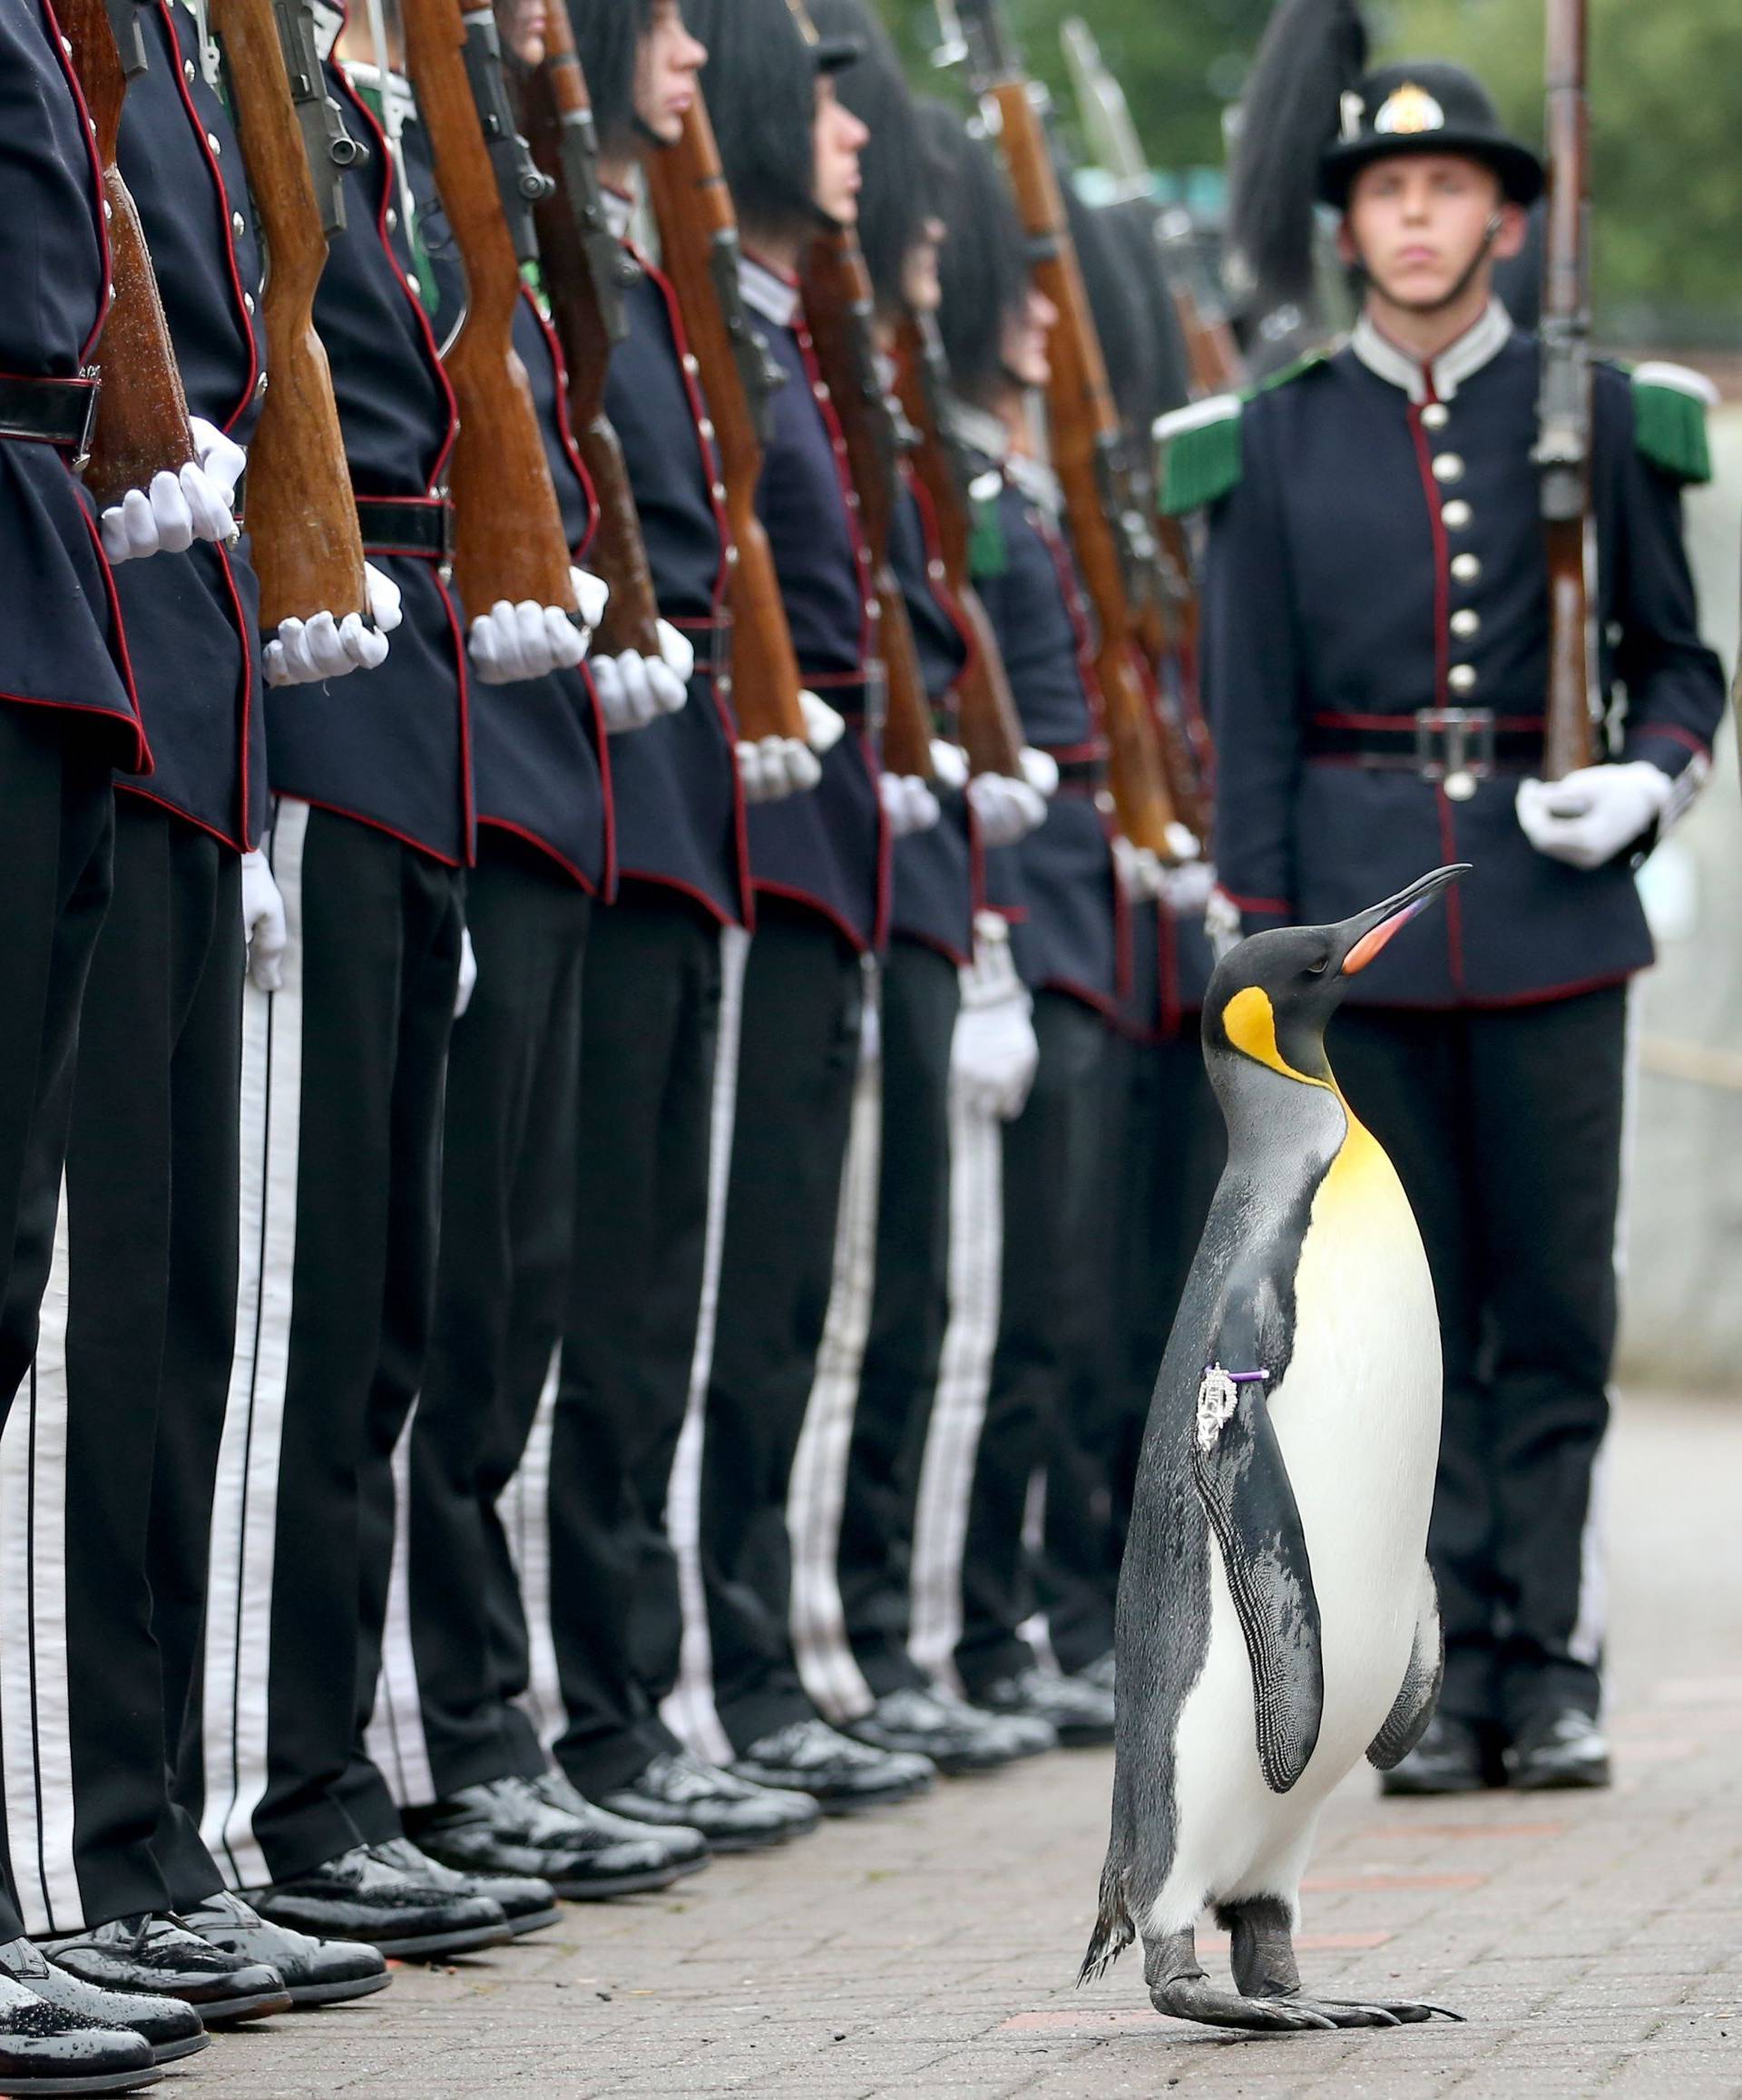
(1250, 1021)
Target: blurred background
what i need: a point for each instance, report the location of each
(1665, 122)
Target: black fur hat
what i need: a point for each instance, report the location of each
(1121, 320)
(985, 265)
(607, 36)
(1165, 383)
(760, 84)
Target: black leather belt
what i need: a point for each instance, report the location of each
(58, 412)
(858, 698)
(1457, 746)
(1083, 769)
(712, 640)
(420, 526)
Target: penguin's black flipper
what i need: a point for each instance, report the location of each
(1419, 1695)
(1243, 1483)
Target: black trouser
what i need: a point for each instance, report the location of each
(440, 1720)
(1163, 1144)
(798, 1057)
(634, 1295)
(108, 1459)
(1056, 1244)
(1505, 1127)
(341, 1131)
(910, 1312)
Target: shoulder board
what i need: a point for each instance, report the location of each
(1669, 405)
(987, 554)
(1198, 448)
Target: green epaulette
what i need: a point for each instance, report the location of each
(1199, 450)
(987, 554)
(1669, 405)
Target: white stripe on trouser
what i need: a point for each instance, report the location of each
(964, 1375)
(688, 1711)
(35, 1708)
(816, 1491)
(245, 1506)
(394, 1739)
(523, 1510)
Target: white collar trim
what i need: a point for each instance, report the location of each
(1478, 346)
(980, 428)
(619, 210)
(774, 296)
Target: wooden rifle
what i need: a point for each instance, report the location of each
(306, 546)
(840, 313)
(141, 422)
(1212, 356)
(508, 536)
(699, 252)
(1564, 402)
(586, 272)
(1083, 423)
(991, 727)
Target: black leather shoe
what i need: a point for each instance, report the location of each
(361, 1896)
(1447, 1760)
(46, 2048)
(844, 1777)
(686, 1850)
(316, 1972)
(153, 1953)
(169, 2026)
(957, 1738)
(528, 1901)
(512, 1825)
(1559, 1749)
(732, 1815)
(1080, 1712)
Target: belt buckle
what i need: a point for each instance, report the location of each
(721, 653)
(446, 564)
(1454, 747)
(876, 697)
(87, 434)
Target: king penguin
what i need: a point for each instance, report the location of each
(1276, 1618)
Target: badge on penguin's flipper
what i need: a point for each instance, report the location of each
(1243, 1483)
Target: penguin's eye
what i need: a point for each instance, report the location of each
(1319, 968)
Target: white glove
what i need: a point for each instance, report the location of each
(264, 926)
(1223, 922)
(949, 764)
(1040, 771)
(592, 595)
(775, 767)
(1590, 816)
(908, 804)
(466, 983)
(994, 1052)
(219, 458)
(1007, 810)
(1139, 871)
(321, 647)
(634, 690)
(512, 643)
(179, 508)
(824, 728)
(1185, 889)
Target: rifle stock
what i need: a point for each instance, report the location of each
(699, 252)
(508, 536)
(991, 727)
(585, 274)
(307, 550)
(1564, 403)
(839, 312)
(142, 426)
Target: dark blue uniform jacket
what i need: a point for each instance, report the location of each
(59, 639)
(1380, 555)
(391, 746)
(192, 619)
(679, 815)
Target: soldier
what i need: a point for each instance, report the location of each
(1376, 630)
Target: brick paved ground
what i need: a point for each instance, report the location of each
(1595, 1942)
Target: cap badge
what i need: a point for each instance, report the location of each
(1407, 111)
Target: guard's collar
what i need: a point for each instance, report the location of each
(1442, 376)
(367, 80)
(769, 292)
(620, 208)
(979, 428)
(1037, 481)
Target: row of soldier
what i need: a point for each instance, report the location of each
(438, 1064)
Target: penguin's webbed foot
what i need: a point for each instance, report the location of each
(1379, 2012)
(1195, 1998)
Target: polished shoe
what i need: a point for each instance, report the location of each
(1080, 1713)
(1559, 1749)
(957, 1738)
(361, 1896)
(687, 1852)
(316, 1972)
(842, 1776)
(732, 1814)
(169, 2025)
(1447, 1760)
(153, 1954)
(1032, 1736)
(527, 1902)
(1101, 1672)
(513, 1826)
(49, 2048)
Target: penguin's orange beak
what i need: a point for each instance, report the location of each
(1374, 929)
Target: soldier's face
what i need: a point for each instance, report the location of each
(1022, 352)
(838, 139)
(920, 289)
(521, 24)
(666, 66)
(1416, 225)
